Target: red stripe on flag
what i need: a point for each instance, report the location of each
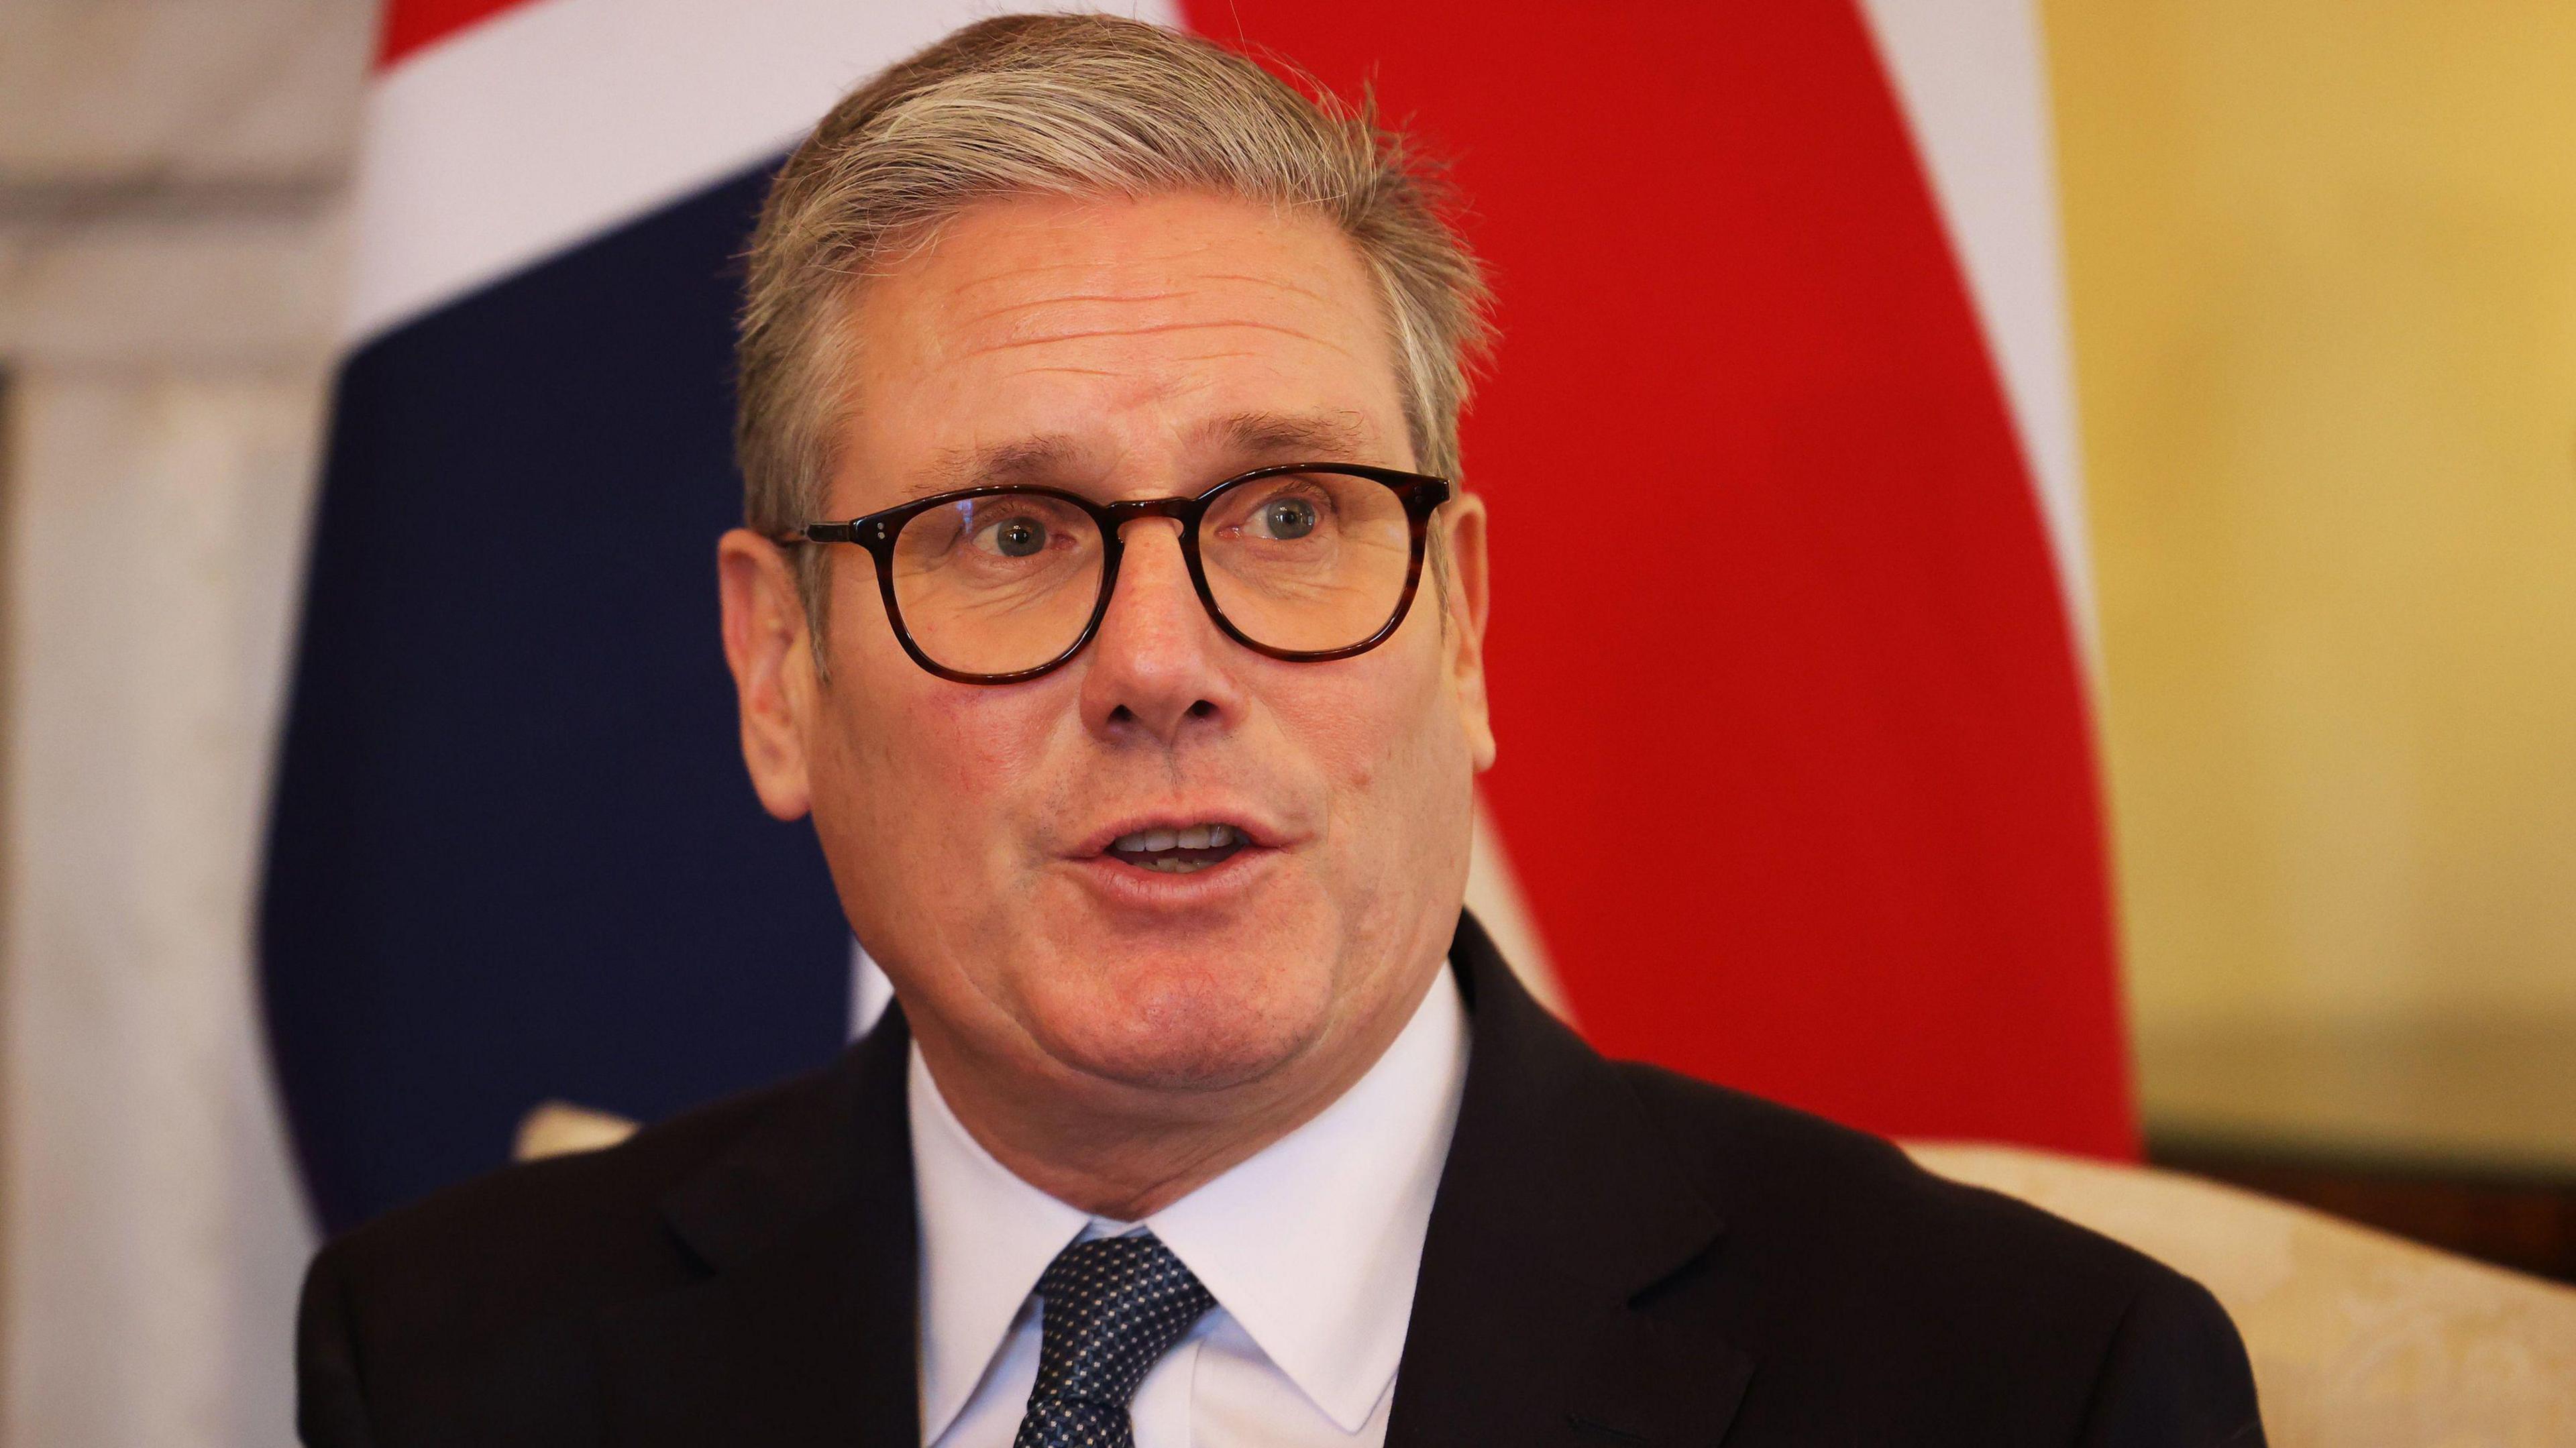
(411, 24)
(1796, 762)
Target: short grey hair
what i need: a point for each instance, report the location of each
(1071, 105)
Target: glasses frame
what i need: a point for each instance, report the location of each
(1420, 493)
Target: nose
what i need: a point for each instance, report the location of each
(1159, 669)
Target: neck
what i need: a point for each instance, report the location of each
(1125, 1152)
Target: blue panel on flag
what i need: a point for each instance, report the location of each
(514, 855)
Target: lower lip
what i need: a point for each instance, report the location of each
(1134, 885)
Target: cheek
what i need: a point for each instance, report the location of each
(1388, 736)
(933, 775)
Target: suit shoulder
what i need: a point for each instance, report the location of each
(567, 1230)
(1805, 1184)
(1859, 1277)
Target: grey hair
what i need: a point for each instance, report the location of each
(1070, 105)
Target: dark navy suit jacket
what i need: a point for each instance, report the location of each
(1617, 1255)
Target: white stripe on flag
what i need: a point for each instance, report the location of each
(1972, 77)
(554, 122)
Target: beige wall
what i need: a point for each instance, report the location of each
(2323, 269)
(169, 173)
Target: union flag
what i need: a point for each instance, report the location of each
(1797, 788)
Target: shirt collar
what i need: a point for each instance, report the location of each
(1312, 1245)
(986, 1235)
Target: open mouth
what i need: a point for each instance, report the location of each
(1178, 851)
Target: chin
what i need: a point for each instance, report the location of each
(1186, 1024)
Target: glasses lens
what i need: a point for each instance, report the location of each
(1000, 584)
(1307, 562)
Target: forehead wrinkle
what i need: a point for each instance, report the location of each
(1061, 298)
(1151, 330)
(1273, 282)
(1106, 272)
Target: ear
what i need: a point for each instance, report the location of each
(1463, 523)
(771, 653)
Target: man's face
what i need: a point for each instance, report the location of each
(1129, 349)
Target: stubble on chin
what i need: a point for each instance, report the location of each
(1190, 1027)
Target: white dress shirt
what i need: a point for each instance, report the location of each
(1309, 1247)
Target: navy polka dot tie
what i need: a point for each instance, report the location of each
(1113, 1306)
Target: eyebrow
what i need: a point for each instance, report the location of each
(1246, 440)
(1311, 437)
(1048, 458)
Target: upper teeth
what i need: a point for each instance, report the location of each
(1196, 837)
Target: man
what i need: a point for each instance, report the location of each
(1107, 602)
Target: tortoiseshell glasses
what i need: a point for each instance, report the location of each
(1304, 561)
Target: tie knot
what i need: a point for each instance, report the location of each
(1114, 1305)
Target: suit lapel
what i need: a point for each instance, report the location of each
(802, 1333)
(1533, 1320)
(1558, 1212)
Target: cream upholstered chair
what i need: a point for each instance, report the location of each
(2358, 1339)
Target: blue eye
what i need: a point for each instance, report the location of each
(1288, 517)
